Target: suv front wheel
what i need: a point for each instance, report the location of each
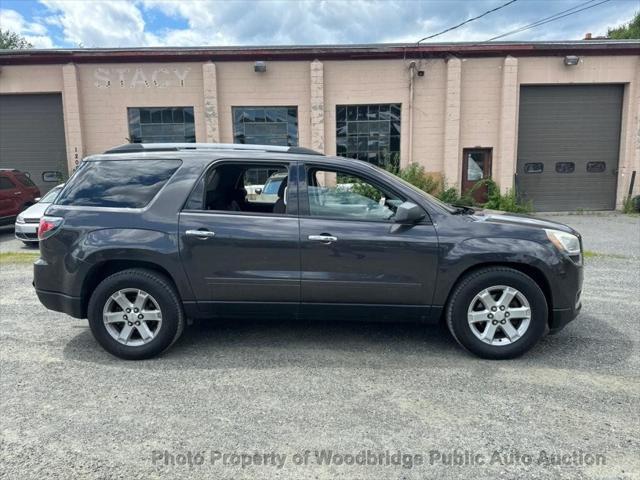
(135, 314)
(497, 313)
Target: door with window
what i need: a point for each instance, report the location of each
(352, 251)
(476, 166)
(239, 248)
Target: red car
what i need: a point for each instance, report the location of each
(17, 192)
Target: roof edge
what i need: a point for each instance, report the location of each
(320, 52)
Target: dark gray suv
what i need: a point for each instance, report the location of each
(144, 237)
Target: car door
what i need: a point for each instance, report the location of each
(241, 261)
(354, 259)
(10, 197)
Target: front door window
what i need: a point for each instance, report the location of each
(346, 196)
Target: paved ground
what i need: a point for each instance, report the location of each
(9, 243)
(69, 410)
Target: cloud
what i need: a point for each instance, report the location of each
(34, 32)
(139, 23)
(375, 21)
(99, 23)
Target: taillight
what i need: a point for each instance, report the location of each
(48, 226)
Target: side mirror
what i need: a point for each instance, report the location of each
(258, 191)
(408, 212)
(37, 199)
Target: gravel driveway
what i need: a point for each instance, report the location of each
(248, 400)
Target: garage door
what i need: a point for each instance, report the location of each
(32, 137)
(568, 141)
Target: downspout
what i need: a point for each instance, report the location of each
(412, 72)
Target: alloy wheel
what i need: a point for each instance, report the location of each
(499, 315)
(132, 317)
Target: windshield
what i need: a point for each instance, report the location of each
(51, 195)
(272, 186)
(438, 203)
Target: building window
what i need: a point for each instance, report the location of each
(565, 167)
(535, 167)
(266, 125)
(596, 167)
(370, 133)
(161, 124)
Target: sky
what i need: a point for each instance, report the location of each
(147, 23)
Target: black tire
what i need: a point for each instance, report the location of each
(164, 293)
(471, 285)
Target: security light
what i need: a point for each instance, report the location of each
(260, 67)
(571, 60)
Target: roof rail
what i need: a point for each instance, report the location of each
(172, 147)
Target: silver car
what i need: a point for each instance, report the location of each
(27, 221)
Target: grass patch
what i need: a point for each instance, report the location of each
(592, 254)
(18, 257)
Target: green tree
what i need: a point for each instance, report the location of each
(629, 30)
(12, 41)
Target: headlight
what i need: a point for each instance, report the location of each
(20, 219)
(565, 242)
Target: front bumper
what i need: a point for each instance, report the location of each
(566, 288)
(27, 232)
(561, 317)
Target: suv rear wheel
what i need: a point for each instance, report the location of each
(497, 313)
(135, 314)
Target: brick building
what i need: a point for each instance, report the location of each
(559, 120)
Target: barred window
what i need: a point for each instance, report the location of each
(266, 125)
(161, 124)
(370, 133)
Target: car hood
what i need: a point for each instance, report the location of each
(35, 211)
(495, 216)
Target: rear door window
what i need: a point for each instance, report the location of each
(6, 184)
(117, 183)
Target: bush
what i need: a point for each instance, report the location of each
(416, 176)
(631, 204)
(508, 202)
(449, 195)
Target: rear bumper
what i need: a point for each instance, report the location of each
(60, 302)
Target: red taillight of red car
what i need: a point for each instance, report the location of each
(48, 226)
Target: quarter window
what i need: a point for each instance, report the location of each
(343, 195)
(370, 133)
(536, 167)
(565, 167)
(117, 183)
(24, 180)
(266, 125)
(161, 125)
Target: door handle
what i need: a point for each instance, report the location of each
(201, 234)
(17, 193)
(323, 238)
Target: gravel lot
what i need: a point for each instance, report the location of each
(70, 410)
